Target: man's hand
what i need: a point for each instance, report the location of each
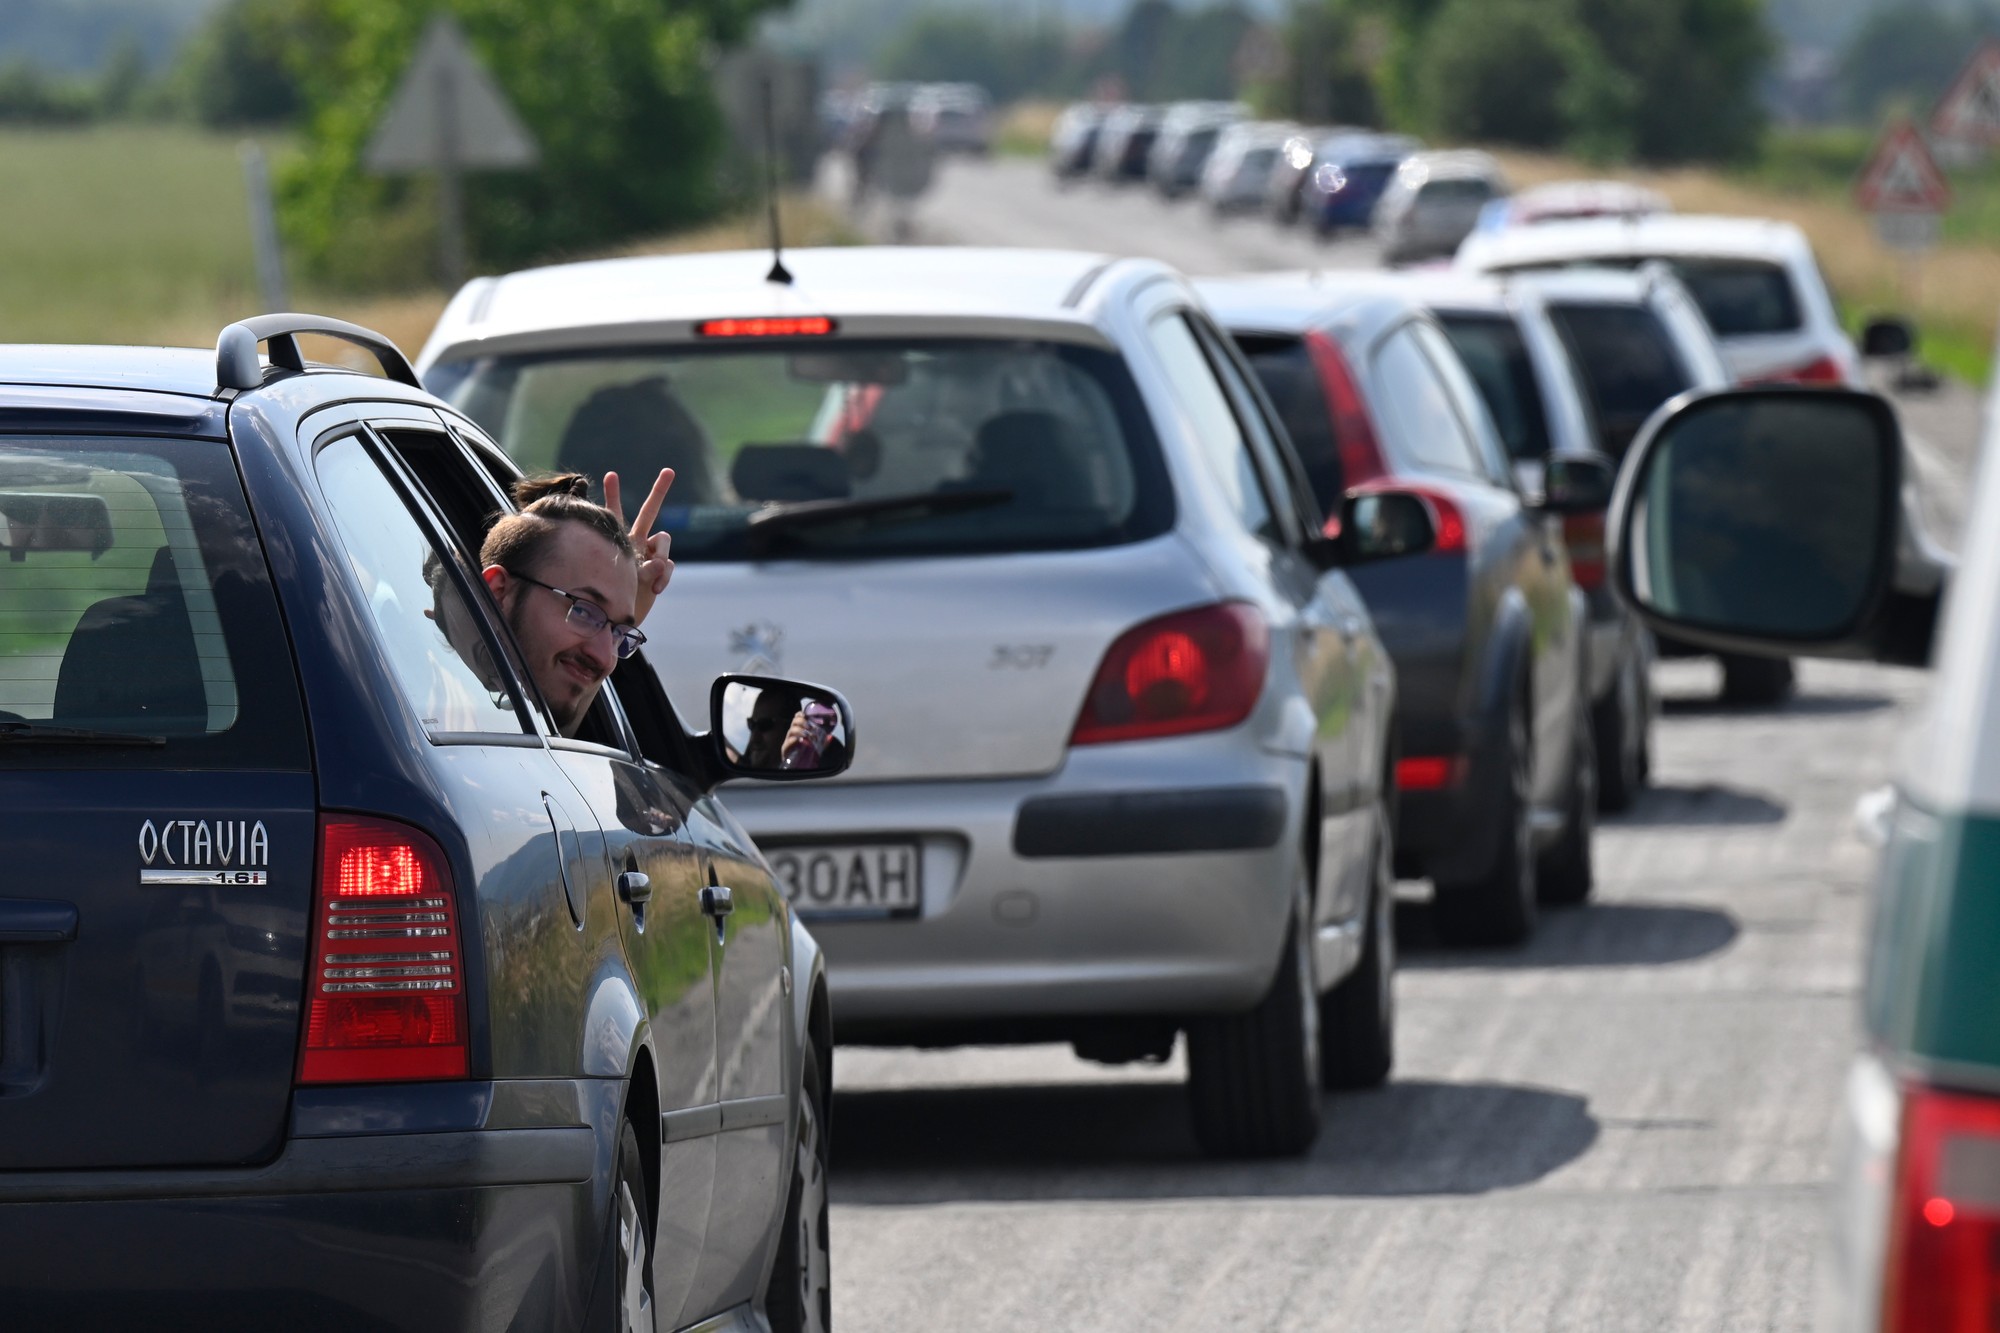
(655, 569)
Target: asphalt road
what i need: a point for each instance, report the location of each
(1623, 1126)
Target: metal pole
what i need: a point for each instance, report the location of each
(451, 200)
(263, 226)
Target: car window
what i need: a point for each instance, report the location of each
(1270, 452)
(1284, 365)
(1005, 444)
(134, 597)
(1217, 436)
(1466, 399)
(1740, 296)
(436, 642)
(1413, 399)
(1694, 340)
(1496, 356)
(1628, 362)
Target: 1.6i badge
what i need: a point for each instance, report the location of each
(201, 851)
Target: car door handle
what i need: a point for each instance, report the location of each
(634, 887)
(716, 901)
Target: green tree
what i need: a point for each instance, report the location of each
(1908, 55)
(616, 92)
(1694, 67)
(1496, 71)
(1005, 59)
(240, 68)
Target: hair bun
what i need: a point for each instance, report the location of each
(571, 485)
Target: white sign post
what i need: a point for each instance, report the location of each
(449, 115)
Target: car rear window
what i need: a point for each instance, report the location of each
(1284, 367)
(843, 449)
(134, 600)
(1740, 297)
(1628, 363)
(1458, 190)
(1492, 349)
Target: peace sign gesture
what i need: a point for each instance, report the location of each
(654, 566)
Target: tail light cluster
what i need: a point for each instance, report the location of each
(1584, 535)
(1198, 670)
(1353, 426)
(1943, 1270)
(1822, 371)
(386, 996)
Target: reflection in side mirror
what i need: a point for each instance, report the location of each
(1762, 518)
(1888, 336)
(1576, 484)
(1380, 525)
(779, 730)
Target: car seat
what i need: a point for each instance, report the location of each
(635, 430)
(131, 663)
(1029, 453)
(790, 472)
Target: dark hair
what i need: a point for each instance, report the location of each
(518, 540)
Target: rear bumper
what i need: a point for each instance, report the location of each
(459, 1229)
(1148, 879)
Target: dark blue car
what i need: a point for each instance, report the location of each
(338, 987)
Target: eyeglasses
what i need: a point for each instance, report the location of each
(589, 617)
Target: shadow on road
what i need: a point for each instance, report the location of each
(1598, 935)
(1803, 705)
(1704, 803)
(1134, 1141)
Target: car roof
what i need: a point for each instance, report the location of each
(1677, 234)
(849, 282)
(182, 370)
(1451, 164)
(1296, 302)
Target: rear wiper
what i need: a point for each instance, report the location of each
(41, 733)
(774, 520)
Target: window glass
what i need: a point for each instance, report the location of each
(1495, 355)
(1628, 364)
(1284, 366)
(1269, 451)
(997, 445)
(1466, 400)
(430, 633)
(1218, 437)
(1736, 296)
(1417, 407)
(134, 598)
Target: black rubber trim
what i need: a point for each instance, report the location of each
(369, 1162)
(1214, 819)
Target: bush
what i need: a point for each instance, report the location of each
(1496, 72)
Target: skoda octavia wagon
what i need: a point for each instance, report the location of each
(339, 988)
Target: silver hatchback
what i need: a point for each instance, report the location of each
(1127, 772)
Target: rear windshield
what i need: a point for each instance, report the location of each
(134, 600)
(1736, 296)
(1284, 367)
(1628, 364)
(1460, 190)
(1492, 349)
(856, 448)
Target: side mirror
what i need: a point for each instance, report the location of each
(1763, 520)
(1376, 525)
(778, 730)
(1576, 484)
(1888, 336)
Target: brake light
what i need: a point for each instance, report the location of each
(1824, 371)
(797, 326)
(386, 1000)
(1199, 670)
(1584, 535)
(1429, 772)
(1353, 425)
(1446, 517)
(1943, 1272)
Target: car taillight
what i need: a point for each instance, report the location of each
(1584, 535)
(1432, 772)
(1198, 670)
(1353, 426)
(1447, 519)
(386, 1000)
(1943, 1272)
(1824, 370)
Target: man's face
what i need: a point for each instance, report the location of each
(569, 664)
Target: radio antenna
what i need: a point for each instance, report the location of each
(779, 273)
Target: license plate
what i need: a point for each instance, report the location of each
(866, 879)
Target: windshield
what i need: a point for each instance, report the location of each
(1050, 439)
(1492, 349)
(1628, 363)
(1736, 296)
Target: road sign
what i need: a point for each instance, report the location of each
(447, 115)
(1902, 176)
(1969, 112)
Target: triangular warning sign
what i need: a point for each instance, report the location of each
(1902, 176)
(1969, 112)
(448, 111)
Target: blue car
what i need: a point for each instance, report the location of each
(346, 980)
(1348, 176)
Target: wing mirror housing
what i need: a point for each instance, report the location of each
(778, 730)
(1887, 336)
(1769, 520)
(1376, 525)
(1576, 484)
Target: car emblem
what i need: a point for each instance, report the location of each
(761, 645)
(204, 851)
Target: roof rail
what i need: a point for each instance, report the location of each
(237, 367)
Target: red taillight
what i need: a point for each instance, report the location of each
(1198, 670)
(1824, 371)
(1584, 535)
(800, 326)
(386, 1000)
(1943, 1271)
(1353, 425)
(1429, 772)
(1446, 517)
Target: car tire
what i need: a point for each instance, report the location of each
(1565, 873)
(628, 1270)
(1253, 1078)
(1357, 1018)
(1619, 724)
(800, 1297)
(1756, 682)
(1498, 906)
